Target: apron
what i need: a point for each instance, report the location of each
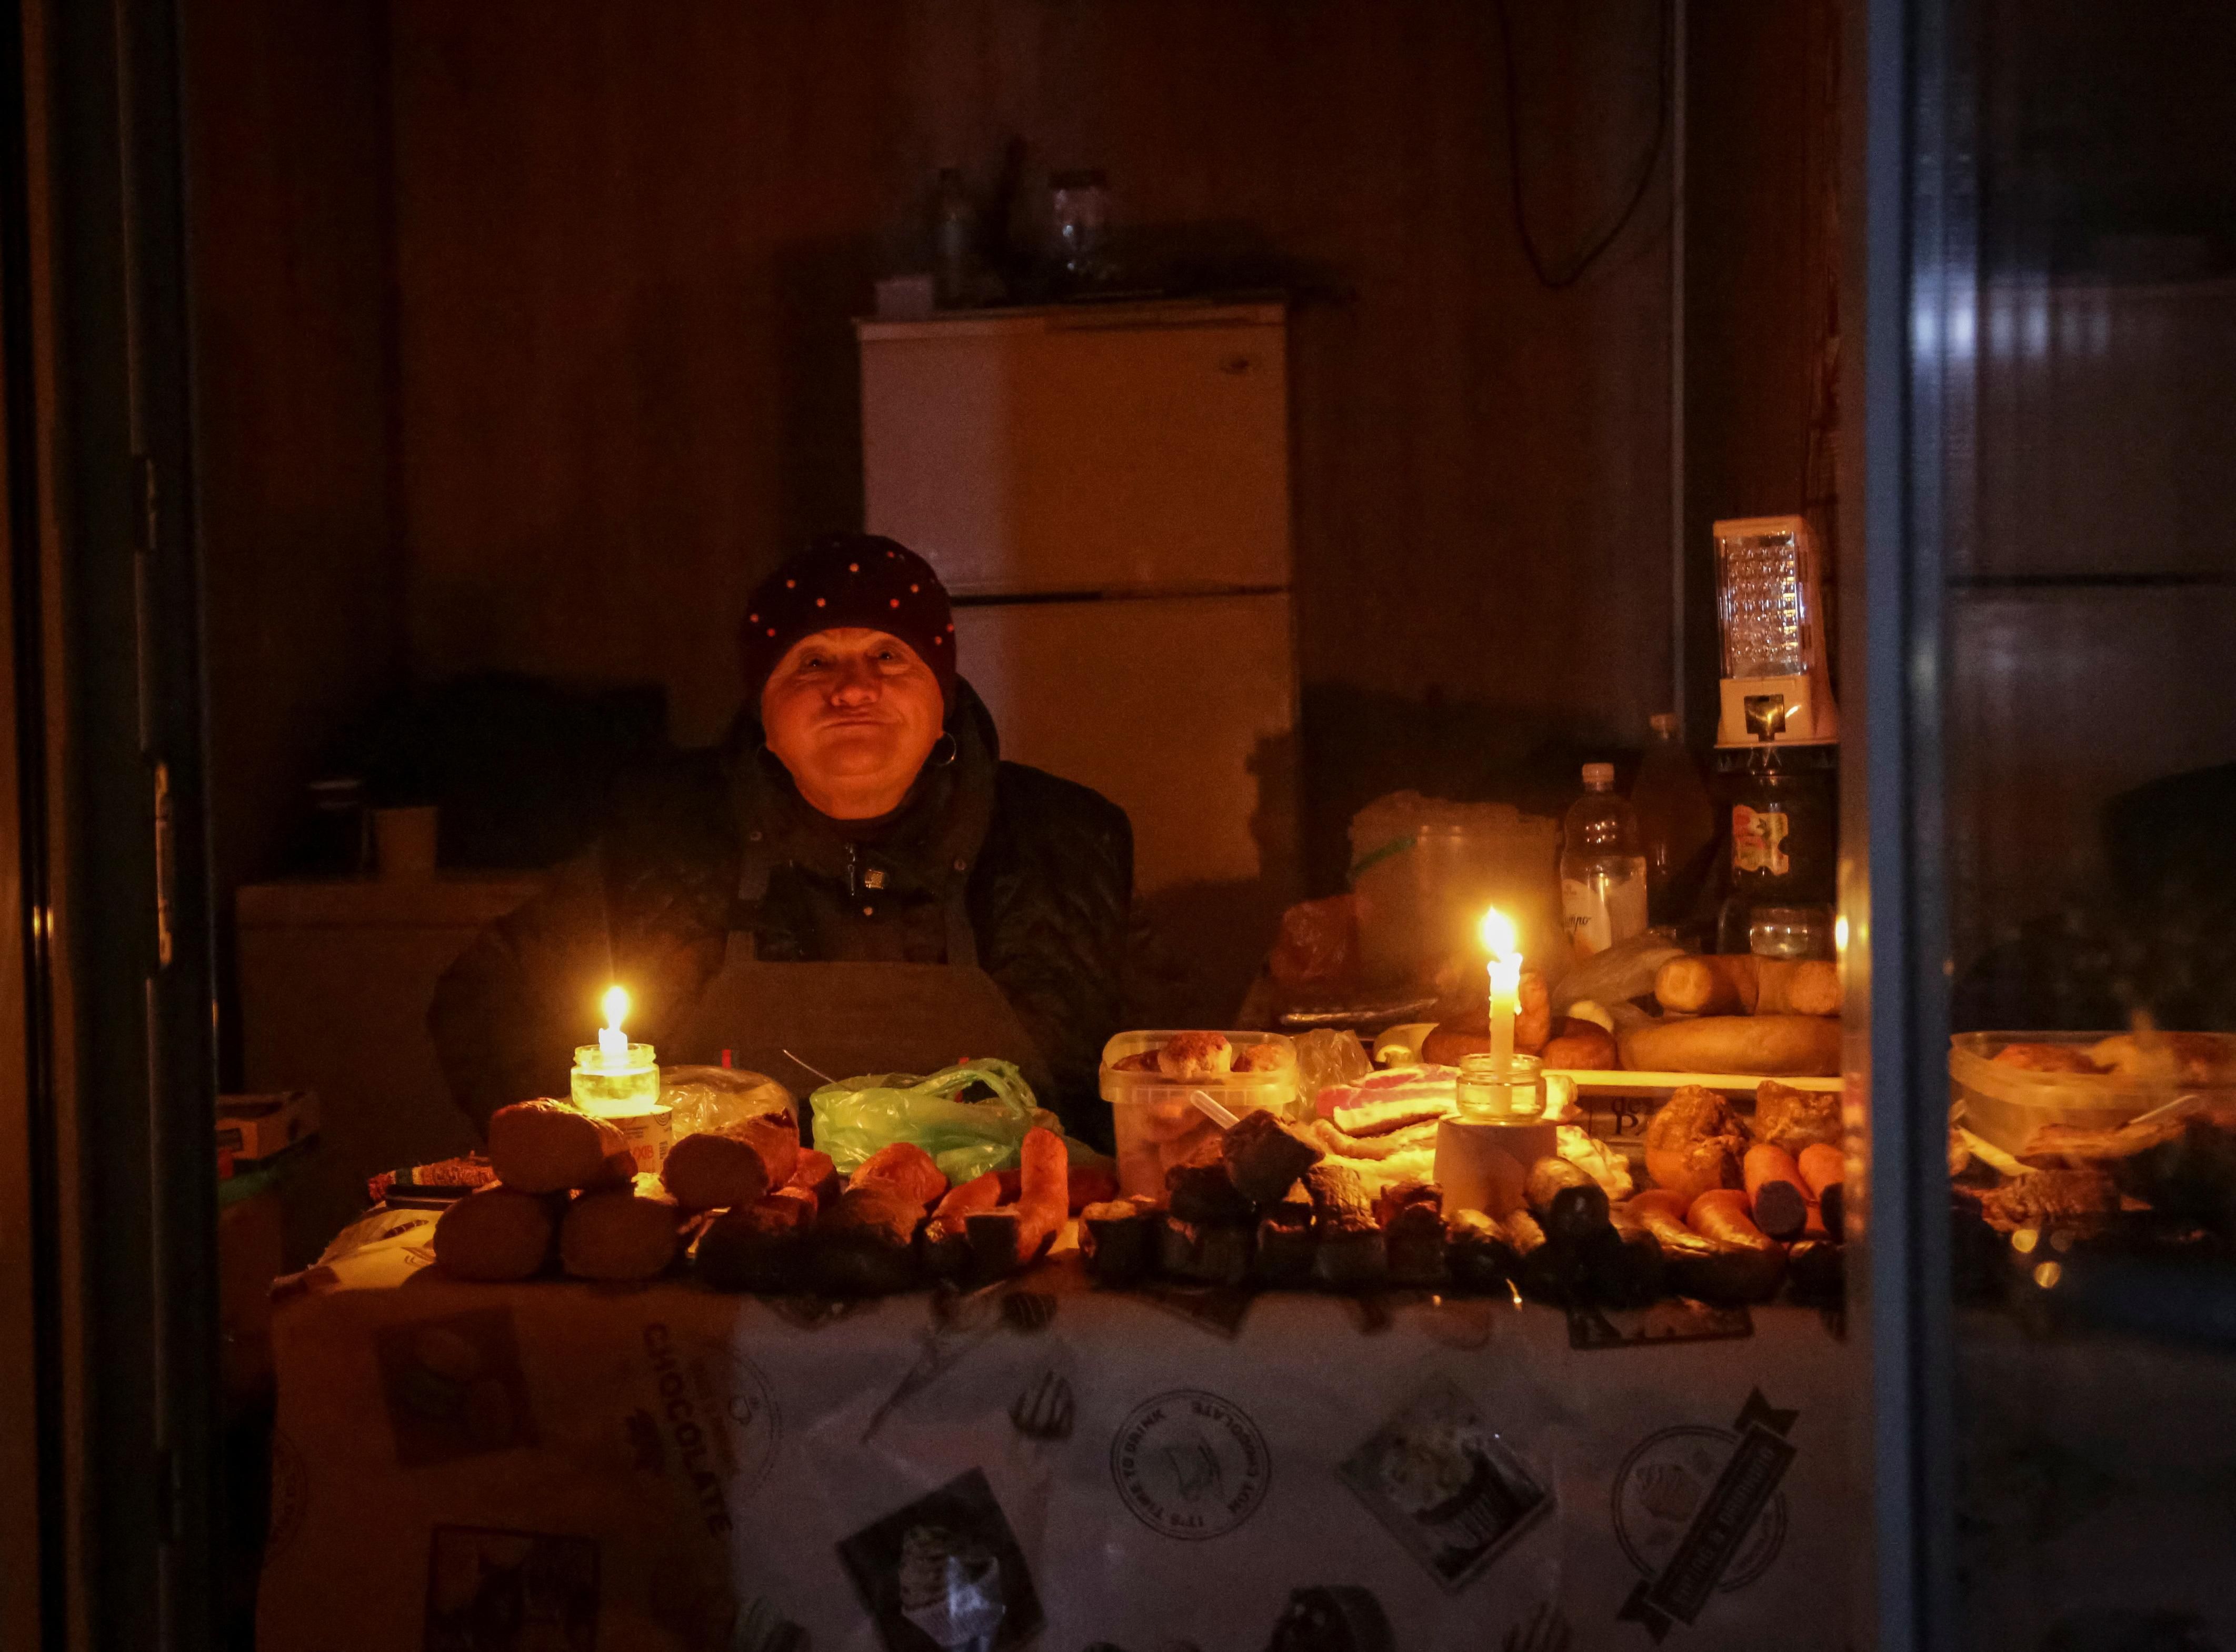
(851, 1018)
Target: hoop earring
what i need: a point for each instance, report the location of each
(943, 761)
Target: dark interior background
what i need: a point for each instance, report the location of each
(523, 336)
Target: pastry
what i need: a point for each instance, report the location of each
(1195, 1057)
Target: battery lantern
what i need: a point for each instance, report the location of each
(1770, 601)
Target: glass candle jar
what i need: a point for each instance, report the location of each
(611, 1090)
(1485, 1093)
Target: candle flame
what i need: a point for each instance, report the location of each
(617, 1008)
(1498, 933)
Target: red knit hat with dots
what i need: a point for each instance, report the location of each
(850, 580)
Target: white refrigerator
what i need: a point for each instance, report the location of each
(1105, 489)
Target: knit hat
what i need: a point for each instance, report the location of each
(850, 580)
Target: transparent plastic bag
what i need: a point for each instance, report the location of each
(857, 1116)
(1326, 1056)
(713, 1098)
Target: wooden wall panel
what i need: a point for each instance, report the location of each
(1753, 239)
(629, 240)
(286, 128)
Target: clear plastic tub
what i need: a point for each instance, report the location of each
(1156, 1122)
(2006, 1105)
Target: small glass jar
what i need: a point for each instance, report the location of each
(1486, 1094)
(632, 1087)
(1789, 931)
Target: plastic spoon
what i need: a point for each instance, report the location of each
(1212, 1110)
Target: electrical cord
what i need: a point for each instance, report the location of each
(1591, 255)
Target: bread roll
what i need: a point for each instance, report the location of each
(1797, 986)
(2170, 1057)
(495, 1234)
(1739, 983)
(622, 1235)
(1707, 984)
(1581, 1046)
(1196, 1056)
(720, 1170)
(550, 1147)
(1765, 1046)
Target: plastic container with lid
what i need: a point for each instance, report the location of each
(2005, 1105)
(1158, 1125)
(1424, 869)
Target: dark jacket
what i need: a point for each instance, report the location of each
(1050, 883)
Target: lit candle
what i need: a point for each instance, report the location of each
(1498, 939)
(613, 1043)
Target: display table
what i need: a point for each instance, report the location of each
(460, 1467)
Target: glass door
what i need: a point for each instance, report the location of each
(2051, 888)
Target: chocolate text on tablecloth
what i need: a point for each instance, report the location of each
(712, 1407)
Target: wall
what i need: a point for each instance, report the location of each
(629, 240)
(1760, 270)
(291, 270)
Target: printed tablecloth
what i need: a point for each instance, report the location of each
(467, 1468)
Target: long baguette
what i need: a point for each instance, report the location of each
(1765, 1046)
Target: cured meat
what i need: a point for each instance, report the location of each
(2182, 1164)
(2083, 1202)
(1118, 1240)
(1265, 1155)
(1428, 1090)
(1694, 1142)
(1793, 1119)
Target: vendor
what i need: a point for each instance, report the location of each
(854, 882)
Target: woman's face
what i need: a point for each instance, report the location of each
(852, 713)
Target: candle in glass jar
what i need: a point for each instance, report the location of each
(1498, 939)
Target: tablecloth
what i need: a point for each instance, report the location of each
(470, 1468)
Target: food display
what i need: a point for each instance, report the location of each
(1153, 1082)
(2071, 1146)
(1225, 1176)
(2009, 1085)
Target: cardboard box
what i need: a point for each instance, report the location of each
(253, 1127)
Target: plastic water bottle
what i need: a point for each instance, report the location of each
(1602, 867)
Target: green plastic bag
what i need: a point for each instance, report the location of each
(857, 1116)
